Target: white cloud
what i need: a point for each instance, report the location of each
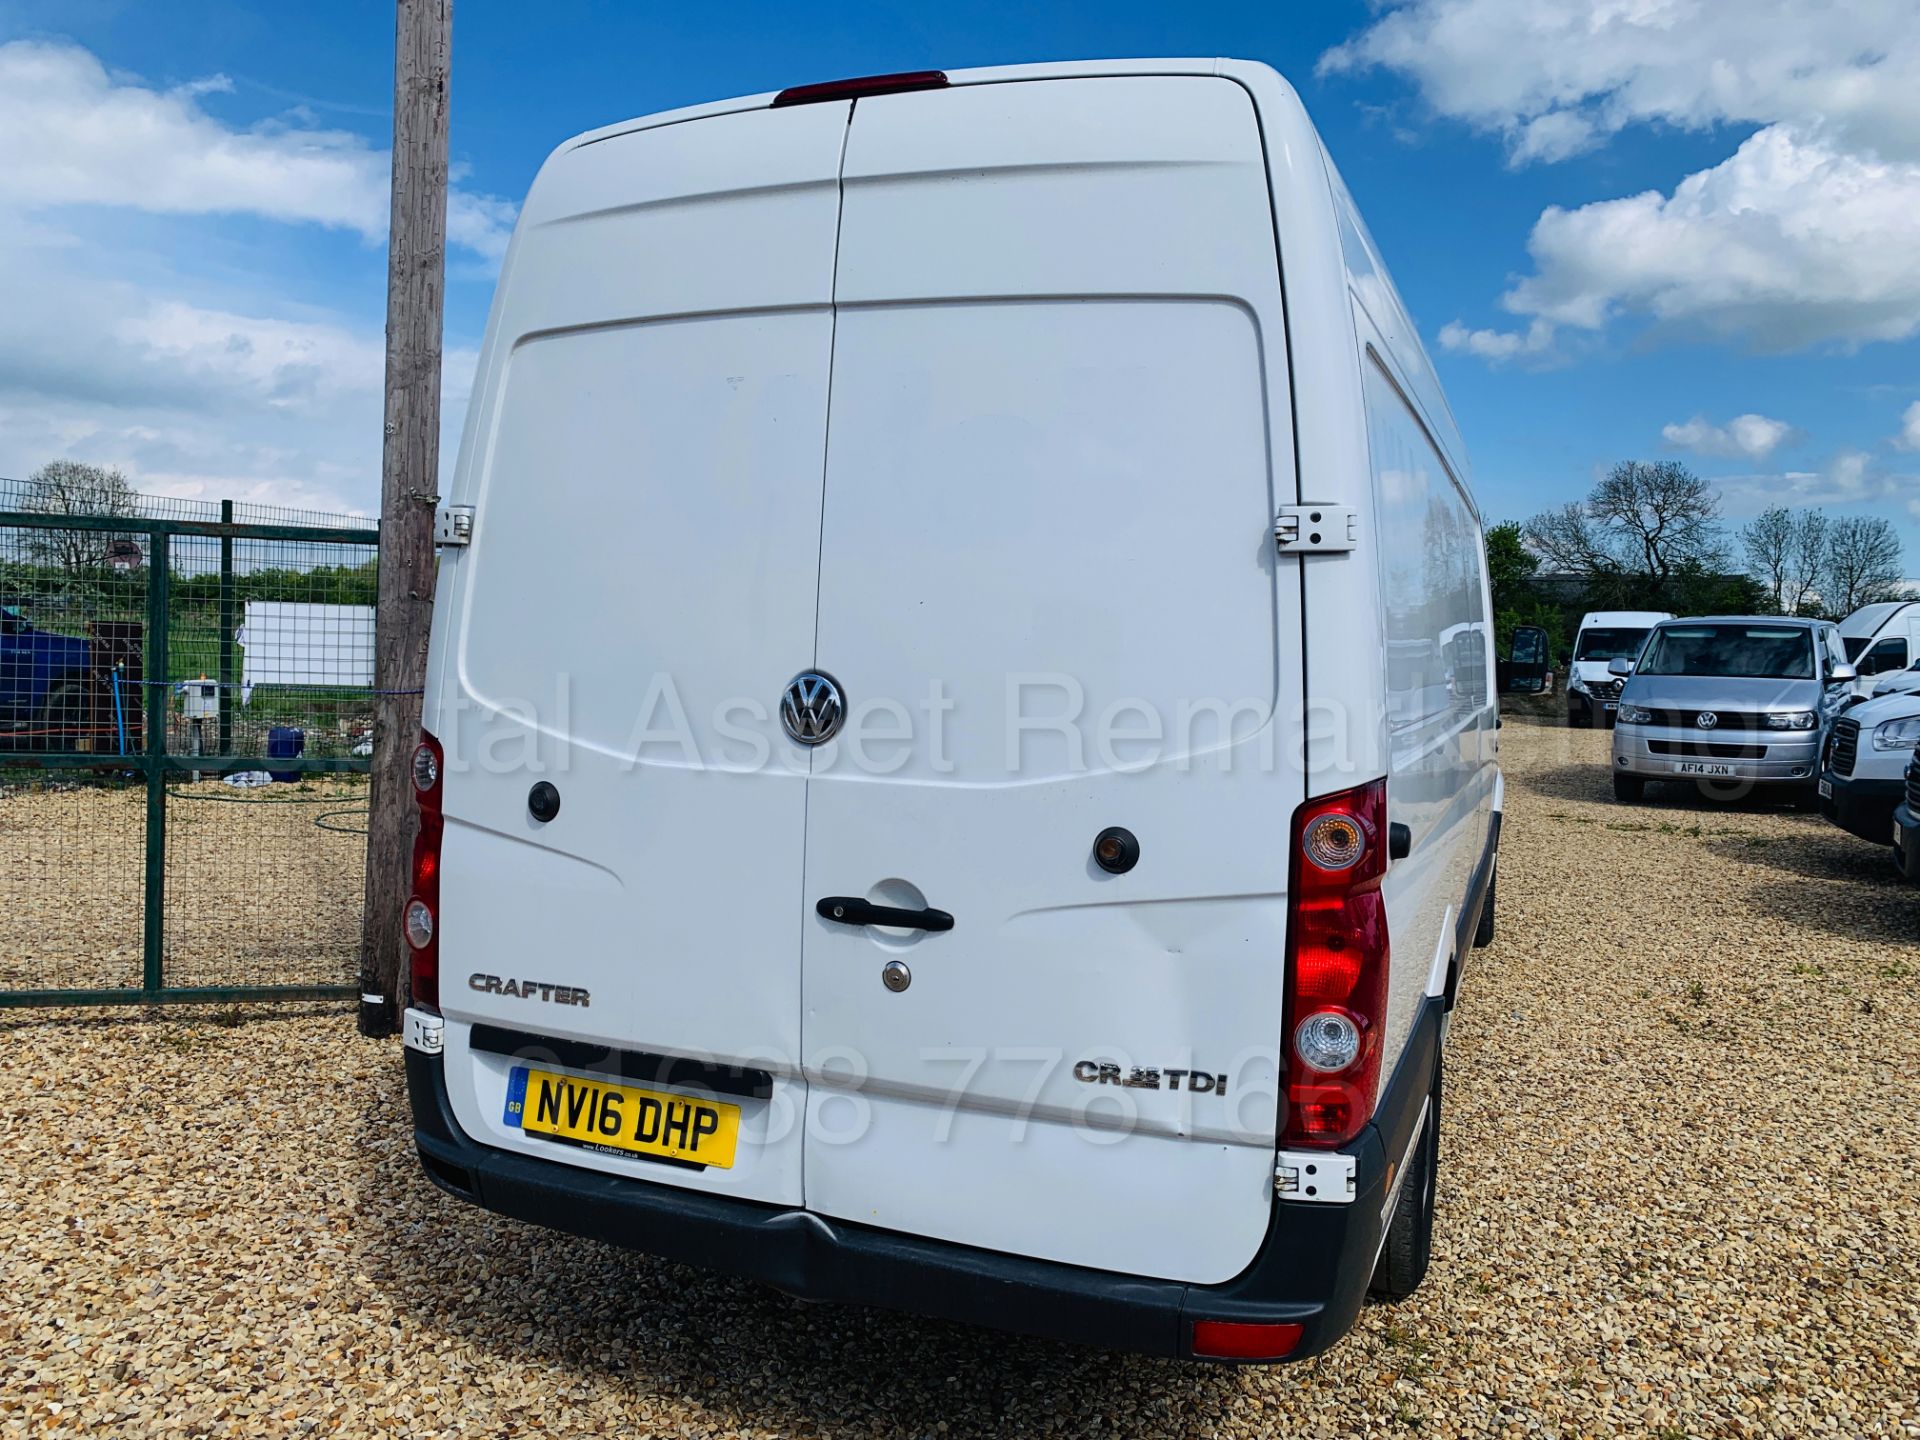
(1852, 478)
(175, 378)
(1909, 436)
(1788, 242)
(1749, 437)
(1556, 77)
(193, 401)
(1498, 345)
(283, 364)
(1803, 236)
(74, 135)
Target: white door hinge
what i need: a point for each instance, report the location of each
(1316, 529)
(1318, 1177)
(453, 525)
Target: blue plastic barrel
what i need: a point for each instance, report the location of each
(285, 742)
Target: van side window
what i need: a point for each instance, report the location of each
(1890, 654)
(1431, 567)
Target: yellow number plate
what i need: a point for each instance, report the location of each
(600, 1116)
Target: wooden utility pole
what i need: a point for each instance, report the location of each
(409, 475)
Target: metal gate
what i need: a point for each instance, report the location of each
(186, 713)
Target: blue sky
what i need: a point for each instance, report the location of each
(1628, 228)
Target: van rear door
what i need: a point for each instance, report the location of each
(646, 464)
(1048, 591)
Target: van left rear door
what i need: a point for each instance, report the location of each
(645, 461)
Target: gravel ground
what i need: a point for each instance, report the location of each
(1679, 1197)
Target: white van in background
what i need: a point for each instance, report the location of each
(1593, 694)
(961, 762)
(1880, 640)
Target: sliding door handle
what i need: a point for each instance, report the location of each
(850, 910)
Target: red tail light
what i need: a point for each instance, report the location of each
(1337, 958)
(422, 918)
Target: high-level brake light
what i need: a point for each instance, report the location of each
(861, 86)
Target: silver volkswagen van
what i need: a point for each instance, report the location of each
(1729, 702)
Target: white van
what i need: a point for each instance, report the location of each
(1881, 639)
(1593, 693)
(961, 770)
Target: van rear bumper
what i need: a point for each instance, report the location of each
(1861, 805)
(1311, 1270)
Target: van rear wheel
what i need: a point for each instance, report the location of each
(1403, 1259)
(1629, 789)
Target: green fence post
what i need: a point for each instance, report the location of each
(157, 672)
(228, 680)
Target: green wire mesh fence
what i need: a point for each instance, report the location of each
(186, 717)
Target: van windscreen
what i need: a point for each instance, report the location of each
(1760, 652)
(1609, 642)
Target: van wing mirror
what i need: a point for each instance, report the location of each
(1841, 673)
(1620, 665)
(1525, 673)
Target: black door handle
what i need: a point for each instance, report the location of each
(849, 910)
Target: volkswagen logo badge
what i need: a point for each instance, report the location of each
(1706, 719)
(812, 708)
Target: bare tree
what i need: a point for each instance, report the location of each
(69, 487)
(1641, 522)
(1785, 552)
(1808, 559)
(1863, 563)
(1768, 540)
(1662, 511)
(1568, 540)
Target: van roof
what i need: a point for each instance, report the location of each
(1869, 619)
(980, 75)
(1624, 617)
(1798, 622)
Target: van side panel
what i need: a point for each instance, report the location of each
(1419, 590)
(1439, 693)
